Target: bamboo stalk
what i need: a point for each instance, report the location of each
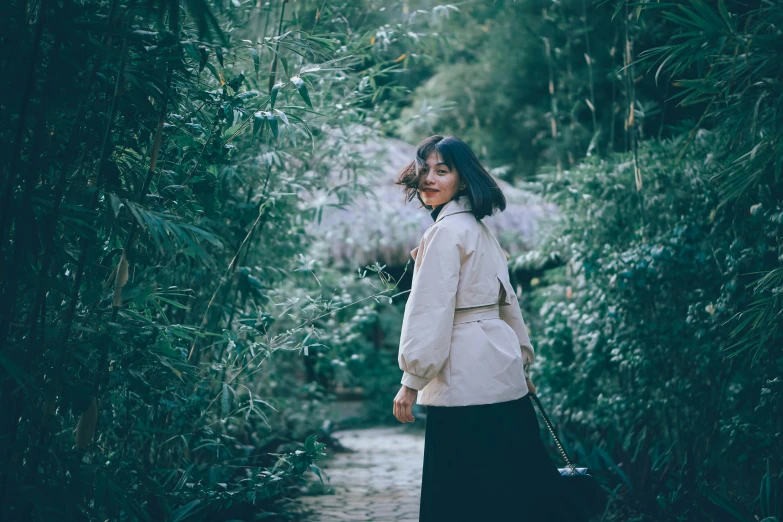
(50, 225)
(631, 130)
(233, 264)
(38, 311)
(9, 296)
(85, 246)
(262, 34)
(121, 272)
(49, 403)
(215, 125)
(16, 154)
(121, 276)
(10, 272)
(247, 252)
(273, 68)
(612, 124)
(264, 192)
(589, 60)
(25, 223)
(553, 106)
(26, 227)
(220, 283)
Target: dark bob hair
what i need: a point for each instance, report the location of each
(482, 190)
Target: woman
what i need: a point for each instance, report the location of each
(465, 350)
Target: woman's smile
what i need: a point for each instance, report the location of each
(431, 196)
(438, 184)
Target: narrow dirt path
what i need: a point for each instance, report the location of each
(379, 482)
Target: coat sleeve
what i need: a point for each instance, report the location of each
(428, 320)
(512, 315)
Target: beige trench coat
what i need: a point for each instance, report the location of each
(463, 339)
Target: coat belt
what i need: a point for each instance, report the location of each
(469, 315)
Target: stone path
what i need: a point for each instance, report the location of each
(379, 482)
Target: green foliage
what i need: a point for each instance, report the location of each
(725, 57)
(538, 83)
(153, 211)
(352, 343)
(635, 333)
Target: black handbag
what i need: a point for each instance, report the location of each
(580, 493)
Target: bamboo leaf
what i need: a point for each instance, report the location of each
(16, 372)
(286, 67)
(256, 60)
(323, 42)
(208, 25)
(302, 88)
(724, 13)
(219, 54)
(617, 9)
(258, 122)
(708, 15)
(287, 124)
(215, 73)
(272, 119)
(728, 505)
(170, 234)
(178, 515)
(121, 278)
(315, 469)
(273, 95)
(192, 51)
(307, 128)
(203, 57)
(86, 428)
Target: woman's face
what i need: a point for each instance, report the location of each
(438, 184)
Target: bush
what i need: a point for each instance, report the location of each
(634, 335)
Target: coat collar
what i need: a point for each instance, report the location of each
(455, 206)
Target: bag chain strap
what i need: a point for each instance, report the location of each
(554, 436)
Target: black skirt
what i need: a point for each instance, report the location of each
(487, 463)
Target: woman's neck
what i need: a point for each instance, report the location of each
(436, 211)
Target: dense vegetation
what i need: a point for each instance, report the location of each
(170, 335)
(155, 301)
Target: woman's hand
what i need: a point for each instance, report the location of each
(403, 404)
(530, 385)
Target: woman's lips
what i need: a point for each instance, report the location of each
(430, 191)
